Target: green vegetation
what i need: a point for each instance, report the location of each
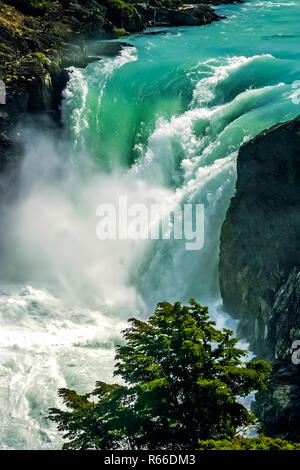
(32, 7)
(42, 58)
(120, 32)
(254, 443)
(4, 47)
(183, 380)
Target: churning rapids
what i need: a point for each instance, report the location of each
(160, 123)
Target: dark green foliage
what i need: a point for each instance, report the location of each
(183, 378)
(120, 12)
(254, 443)
(32, 7)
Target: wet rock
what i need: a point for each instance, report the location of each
(107, 48)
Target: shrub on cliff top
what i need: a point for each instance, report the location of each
(183, 382)
(253, 443)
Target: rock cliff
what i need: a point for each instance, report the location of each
(259, 266)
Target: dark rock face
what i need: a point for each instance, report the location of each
(186, 15)
(10, 147)
(259, 265)
(107, 48)
(285, 321)
(260, 243)
(278, 407)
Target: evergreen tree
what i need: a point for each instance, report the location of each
(184, 381)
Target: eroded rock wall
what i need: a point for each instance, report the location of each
(259, 265)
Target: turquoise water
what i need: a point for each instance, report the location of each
(169, 78)
(176, 108)
(160, 123)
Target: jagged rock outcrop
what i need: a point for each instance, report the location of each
(185, 15)
(259, 265)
